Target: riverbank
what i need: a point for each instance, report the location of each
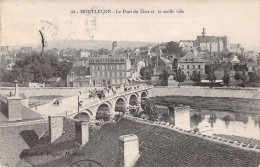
(245, 106)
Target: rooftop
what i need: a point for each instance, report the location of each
(79, 71)
(159, 146)
(190, 57)
(108, 57)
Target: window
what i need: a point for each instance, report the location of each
(94, 82)
(182, 66)
(188, 73)
(198, 66)
(188, 67)
(193, 66)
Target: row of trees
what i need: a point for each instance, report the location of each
(38, 68)
(240, 77)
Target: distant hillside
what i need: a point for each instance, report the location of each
(91, 44)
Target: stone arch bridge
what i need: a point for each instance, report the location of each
(106, 108)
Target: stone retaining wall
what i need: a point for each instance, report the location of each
(247, 93)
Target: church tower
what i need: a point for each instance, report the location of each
(204, 32)
(114, 45)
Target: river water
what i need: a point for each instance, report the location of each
(215, 122)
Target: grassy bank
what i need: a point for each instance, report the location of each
(248, 106)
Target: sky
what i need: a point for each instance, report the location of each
(21, 21)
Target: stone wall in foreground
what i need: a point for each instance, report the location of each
(247, 93)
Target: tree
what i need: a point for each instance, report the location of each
(173, 48)
(198, 49)
(195, 76)
(237, 76)
(180, 76)
(252, 76)
(142, 72)
(39, 68)
(226, 78)
(150, 110)
(164, 77)
(211, 76)
(243, 78)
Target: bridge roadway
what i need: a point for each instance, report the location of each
(91, 107)
(109, 104)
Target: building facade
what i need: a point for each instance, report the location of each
(186, 43)
(106, 70)
(190, 63)
(235, 47)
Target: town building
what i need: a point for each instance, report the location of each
(84, 54)
(252, 54)
(78, 76)
(114, 45)
(107, 70)
(212, 43)
(235, 59)
(28, 49)
(186, 43)
(190, 63)
(219, 69)
(55, 82)
(235, 47)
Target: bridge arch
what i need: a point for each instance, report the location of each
(85, 115)
(120, 104)
(144, 94)
(133, 99)
(103, 112)
(82, 117)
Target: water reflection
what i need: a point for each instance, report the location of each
(215, 122)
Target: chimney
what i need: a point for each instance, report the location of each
(128, 150)
(14, 105)
(55, 127)
(14, 108)
(82, 132)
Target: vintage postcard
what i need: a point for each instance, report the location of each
(142, 83)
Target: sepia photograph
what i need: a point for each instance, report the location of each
(141, 83)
